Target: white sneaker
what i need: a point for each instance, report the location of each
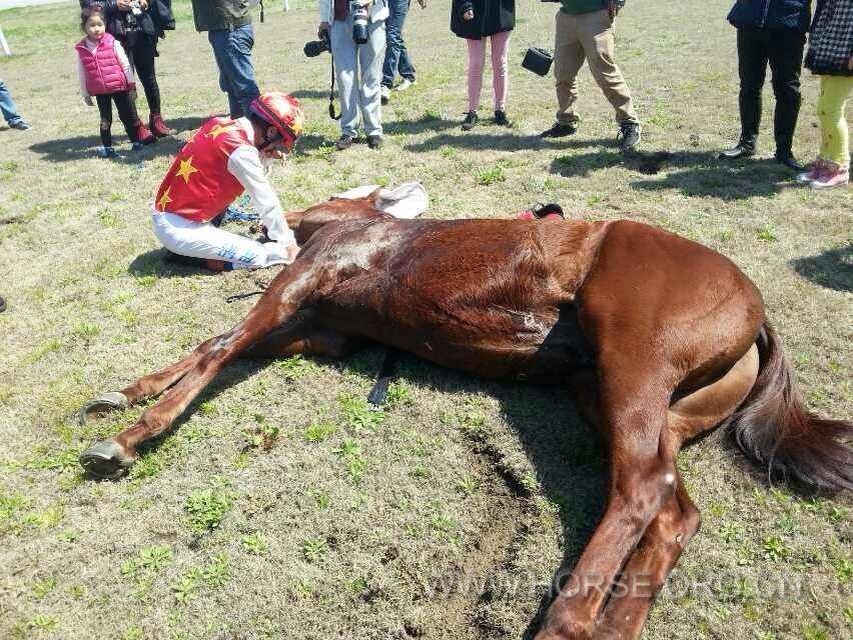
(385, 94)
(405, 83)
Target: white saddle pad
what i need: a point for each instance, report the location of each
(408, 200)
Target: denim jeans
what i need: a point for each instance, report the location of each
(233, 52)
(7, 105)
(396, 55)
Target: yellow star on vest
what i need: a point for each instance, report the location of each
(218, 130)
(186, 169)
(164, 199)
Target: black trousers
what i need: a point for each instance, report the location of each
(783, 50)
(141, 51)
(126, 113)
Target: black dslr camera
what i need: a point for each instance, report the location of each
(316, 47)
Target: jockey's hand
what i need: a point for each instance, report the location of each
(143, 4)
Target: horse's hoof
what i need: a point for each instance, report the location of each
(105, 459)
(111, 400)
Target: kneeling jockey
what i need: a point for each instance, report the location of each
(222, 159)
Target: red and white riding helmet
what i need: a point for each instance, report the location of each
(282, 111)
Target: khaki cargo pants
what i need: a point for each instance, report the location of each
(588, 36)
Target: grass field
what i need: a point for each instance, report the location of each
(281, 507)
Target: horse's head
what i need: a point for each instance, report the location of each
(306, 223)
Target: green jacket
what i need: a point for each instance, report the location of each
(584, 6)
(210, 15)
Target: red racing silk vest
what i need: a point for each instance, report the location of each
(102, 68)
(198, 185)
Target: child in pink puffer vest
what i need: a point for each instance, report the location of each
(106, 74)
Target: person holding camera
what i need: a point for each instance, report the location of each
(229, 30)
(138, 25)
(355, 30)
(774, 32)
(476, 21)
(584, 31)
(224, 158)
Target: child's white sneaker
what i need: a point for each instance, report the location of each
(833, 175)
(405, 83)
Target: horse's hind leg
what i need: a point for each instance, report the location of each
(110, 458)
(668, 534)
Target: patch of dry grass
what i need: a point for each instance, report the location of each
(278, 509)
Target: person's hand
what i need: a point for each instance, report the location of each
(468, 15)
(323, 28)
(88, 100)
(613, 9)
(143, 4)
(123, 5)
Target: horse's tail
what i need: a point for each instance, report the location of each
(773, 427)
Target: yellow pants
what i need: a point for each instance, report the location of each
(834, 136)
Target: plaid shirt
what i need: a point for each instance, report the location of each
(831, 40)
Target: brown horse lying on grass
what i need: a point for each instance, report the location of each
(661, 340)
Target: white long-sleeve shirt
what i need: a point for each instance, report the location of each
(122, 59)
(245, 164)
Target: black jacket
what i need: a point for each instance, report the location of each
(490, 17)
(125, 26)
(794, 15)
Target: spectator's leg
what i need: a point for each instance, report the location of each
(370, 57)
(834, 134)
(238, 67)
(143, 59)
(7, 105)
(394, 35)
(105, 109)
(476, 62)
(596, 36)
(218, 39)
(500, 81)
(752, 67)
(568, 59)
(343, 49)
(404, 66)
(127, 114)
(785, 51)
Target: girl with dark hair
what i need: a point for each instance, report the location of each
(137, 25)
(106, 73)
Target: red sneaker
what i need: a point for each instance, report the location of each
(158, 126)
(143, 135)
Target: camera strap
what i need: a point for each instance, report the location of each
(332, 92)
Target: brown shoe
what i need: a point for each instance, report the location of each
(158, 126)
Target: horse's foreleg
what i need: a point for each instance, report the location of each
(281, 301)
(648, 567)
(642, 479)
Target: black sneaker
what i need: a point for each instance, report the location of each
(628, 136)
(500, 118)
(344, 142)
(559, 130)
(470, 120)
(374, 142)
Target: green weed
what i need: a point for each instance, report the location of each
(206, 509)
